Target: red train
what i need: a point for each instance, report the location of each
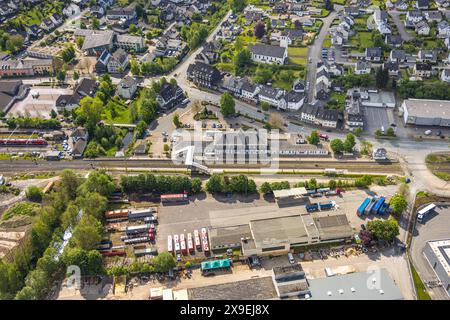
(22, 142)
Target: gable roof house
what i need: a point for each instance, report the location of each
(169, 95)
(121, 13)
(423, 70)
(95, 41)
(101, 66)
(203, 74)
(362, 67)
(118, 62)
(433, 15)
(442, 3)
(327, 118)
(127, 87)
(392, 67)
(397, 55)
(393, 40)
(373, 54)
(294, 100)
(422, 4)
(427, 56)
(56, 19)
(413, 16)
(233, 85)
(401, 5)
(381, 21)
(290, 36)
(352, 11)
(71, 10)
(443, 28)
(80, 137)
(445, 75)
(422, 28)
(85, 87)
(47, 25)
(273, 96)
(249, 91)
(268, 54)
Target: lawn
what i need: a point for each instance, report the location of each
(327, 42)
(361, 41)
(422, 293)
(287, 85)
(298, 55)
(117, 113)
(439, 164)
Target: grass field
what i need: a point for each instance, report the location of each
(439, 164)
(298, 55)
(361, 41)
(422, 293)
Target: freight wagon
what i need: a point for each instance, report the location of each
(144, 252)
(137, 229)
(363, 206)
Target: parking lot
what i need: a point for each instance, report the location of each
(436, 226)
(40, 106)
(376, 118)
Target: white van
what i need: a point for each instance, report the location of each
(291, 258)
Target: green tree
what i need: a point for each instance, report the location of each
(238, 5)
(398, 204)
(132, 28)
(215, 183)
(134, 67)
(349, 142)
(227, 105)
(265, 106)
(313, 138)
(242, 60)
(390, 132)
(88, 233)
(166, 148)
(79, 41)
(265, 188)
(196, 185)
(91, 111)
(95, 23)
(93, 204)
(384, 230)
(337, 145)
(34, 194)
(163, 262)
(366, 147)
(176, 120)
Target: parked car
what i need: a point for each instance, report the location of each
(291, 258)
(363, 227)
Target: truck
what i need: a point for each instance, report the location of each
(182, 243)
(136, 240)
(169, 243)
(370, 205)
(326, 205)
(323, 136)
(104, 245)
(141, 228)
(422, 213)
(190, 243)
(204, 238)
(140, 214)
(176, 243)
(197, 242)
(376, 208)
(151, 219)
(117, 214)
(144, 252)
(363, 206)
(312, 207)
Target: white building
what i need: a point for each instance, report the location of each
(269, 54)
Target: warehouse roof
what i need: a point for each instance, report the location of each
(427, 108)
(332, 225)
(278, 230)
(375, 285)
(228, 236)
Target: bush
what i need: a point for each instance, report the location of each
(34, 194)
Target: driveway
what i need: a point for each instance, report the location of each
(400, 25)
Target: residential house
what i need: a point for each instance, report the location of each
(445, 75)
(362, 67)
(121, 13)
(398, 56)
(170, 95)
(381, 20)
(23, 68)
(353, 114)
(422, 28)
(422, 4)
(309, 112)
(127, 87)
(56, 19)
(290, 36)
(95, 41)
(401, 5)
(393, 40)
(233, 85)
(392, 67)
(97, 11)
(118, 62)
(327, 118)
(203, 74)
(47, 24)
(269, 54)
(373, 54)
(34, 31)
(352, 11)
(422, 70)
(249, 91)
(85, 87)
(442, 3)
(299, 86)
(101, 66)
(294, 100)
(273, 96)
(427, 56)
(413, 16)
(80, 138)
(130, 43)
(443, 29)
(434, 15)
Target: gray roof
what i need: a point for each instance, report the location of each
(293, 96)
(267, 50)
(428, 108)
(97, 39)
(375, 285)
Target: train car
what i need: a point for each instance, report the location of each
(23, 142)
(197, 242)
(144, 252)
(113, 253)
(169, 243)
(137, 229)
(190, 243)
(174, 198)
(140, 214)
(182, 243)
(136, 240)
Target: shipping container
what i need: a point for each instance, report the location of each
(326, 205)
(169, 243)
(140, 214)
(312, 207)
(197, 239)
(117, 214)
(142, 228)
(136, 240)
(174, 198)
(144, 252)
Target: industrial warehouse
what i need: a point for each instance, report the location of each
(272, 230)
(426, 112)
(438, 255)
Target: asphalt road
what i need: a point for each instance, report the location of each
(400, 25)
